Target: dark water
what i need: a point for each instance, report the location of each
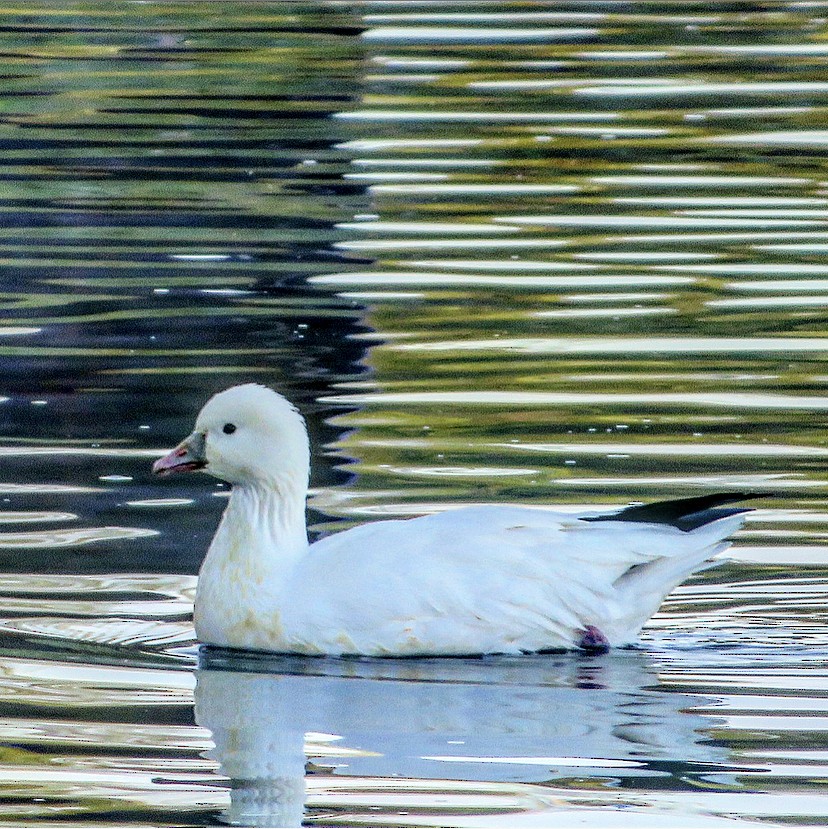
(547, 252)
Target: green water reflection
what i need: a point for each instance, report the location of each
(557, 253)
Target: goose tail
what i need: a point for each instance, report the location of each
(641, 589)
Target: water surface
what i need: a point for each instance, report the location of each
(553, 253)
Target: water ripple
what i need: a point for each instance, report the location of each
(496, 252)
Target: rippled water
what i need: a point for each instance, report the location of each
(548, 252)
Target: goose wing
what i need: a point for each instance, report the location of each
(483, 579)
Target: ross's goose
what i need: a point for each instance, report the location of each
(474, 580)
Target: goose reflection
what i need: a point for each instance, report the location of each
(518, 720)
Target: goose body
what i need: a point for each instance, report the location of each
(473, 580)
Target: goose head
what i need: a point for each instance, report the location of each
(245, 435)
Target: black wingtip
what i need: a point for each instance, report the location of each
(684, 513)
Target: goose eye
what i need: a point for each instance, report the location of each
(228, 428)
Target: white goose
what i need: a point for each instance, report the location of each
(475, 580)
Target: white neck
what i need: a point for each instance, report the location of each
(263, 526)
(261, 537)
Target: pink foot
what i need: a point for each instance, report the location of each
(593, 640)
